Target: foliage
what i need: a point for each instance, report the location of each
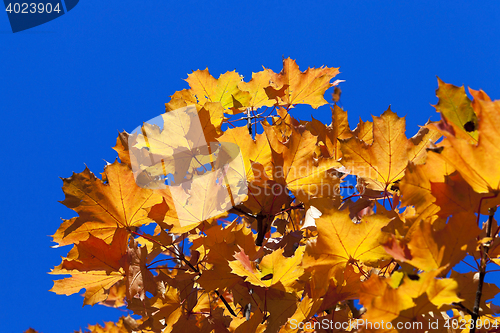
(332, 215)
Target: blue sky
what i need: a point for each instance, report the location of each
(67, 87)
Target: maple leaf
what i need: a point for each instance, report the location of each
(467, 290)
(122, 148)
(274, 269)
(254, 324)
(204, 180)
(305, 310)
(95, 254)
(385, 160)
(218, 248)
(206, 88)
(455, 195)
(180, 99)
(477, 163)
(165, 310)
(456, 107)
(177, 149)
(216, 321)
(294, 164)
(432, 249)
(401, 299)
(116, 296)
(347, 287)
(265, 196)
(341, 242)
(204, 198)
(416, 185)
(104, 207)
(252, 151)
(329, 135)
(382, 300)
(94, 265)
(124, 325)
(364, 131)
(256, 88)
(277, 305)
(291, 86)
(323, 250)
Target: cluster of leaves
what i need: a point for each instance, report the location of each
(306, 241)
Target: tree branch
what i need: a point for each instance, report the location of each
(197, 271)
(482, 271)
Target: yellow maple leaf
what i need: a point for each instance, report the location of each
(97, 266)
(96, 284)
(224, 90)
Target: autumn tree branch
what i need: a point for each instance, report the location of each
(482, 270)
(181, 256)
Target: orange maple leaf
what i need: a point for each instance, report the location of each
(257, 150)
(432, 249)
(467, 290)
(95, 266)
(342, 242)
(295, 165)
(401, 299)
(104, 207)
(328, 135)
(478, 163)
(218, 249)
(416, 185)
